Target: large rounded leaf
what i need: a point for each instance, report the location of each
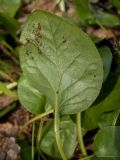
(68, 138)
(29, 97)
(61, 62)
(107, 144)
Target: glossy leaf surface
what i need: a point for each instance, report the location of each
(61, 62)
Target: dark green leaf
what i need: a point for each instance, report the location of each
(106, 55)
(83, 9)
(30, 98)
(68, 135)
(110, 103)
(9, 23)
(107, 19)
(61, 62)
(106, 143)
(108, 119)
(115, 3)
(26, 152)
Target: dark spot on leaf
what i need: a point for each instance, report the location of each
(32, 58)
(37, 33)
(33, 25)
(64, 40)
(39, 26)
(94, 76)
(40, 52)
(28, 40)
(57, 92)
(27, 52)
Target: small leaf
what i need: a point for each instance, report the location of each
(83, 9)
(9, 7)
(30, 98)
(61, 62)
(106, 143)
(68, 135)
(107, 19)
(106, 55)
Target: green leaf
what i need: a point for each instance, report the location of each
(106, 143)
(25, 150)
(108, 119)
(83, 9)
(107, 19)
(115, 3)
(30, 98)
(9, 7)
(68, 135)
(106, 55)
(110, 103)
(9, 23)
(61, 62)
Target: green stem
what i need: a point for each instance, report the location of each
(14, 59)
(10, 86)
(6, 110)
(57, 132)
(37, 118)
(80, 137)
(6, 76)
(86, 158)
(33, 135)
(40, 155)
(115, 118)
(39, 134)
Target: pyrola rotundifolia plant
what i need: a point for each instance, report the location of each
(62, 74)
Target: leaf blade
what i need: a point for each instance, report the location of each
(56, 64)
